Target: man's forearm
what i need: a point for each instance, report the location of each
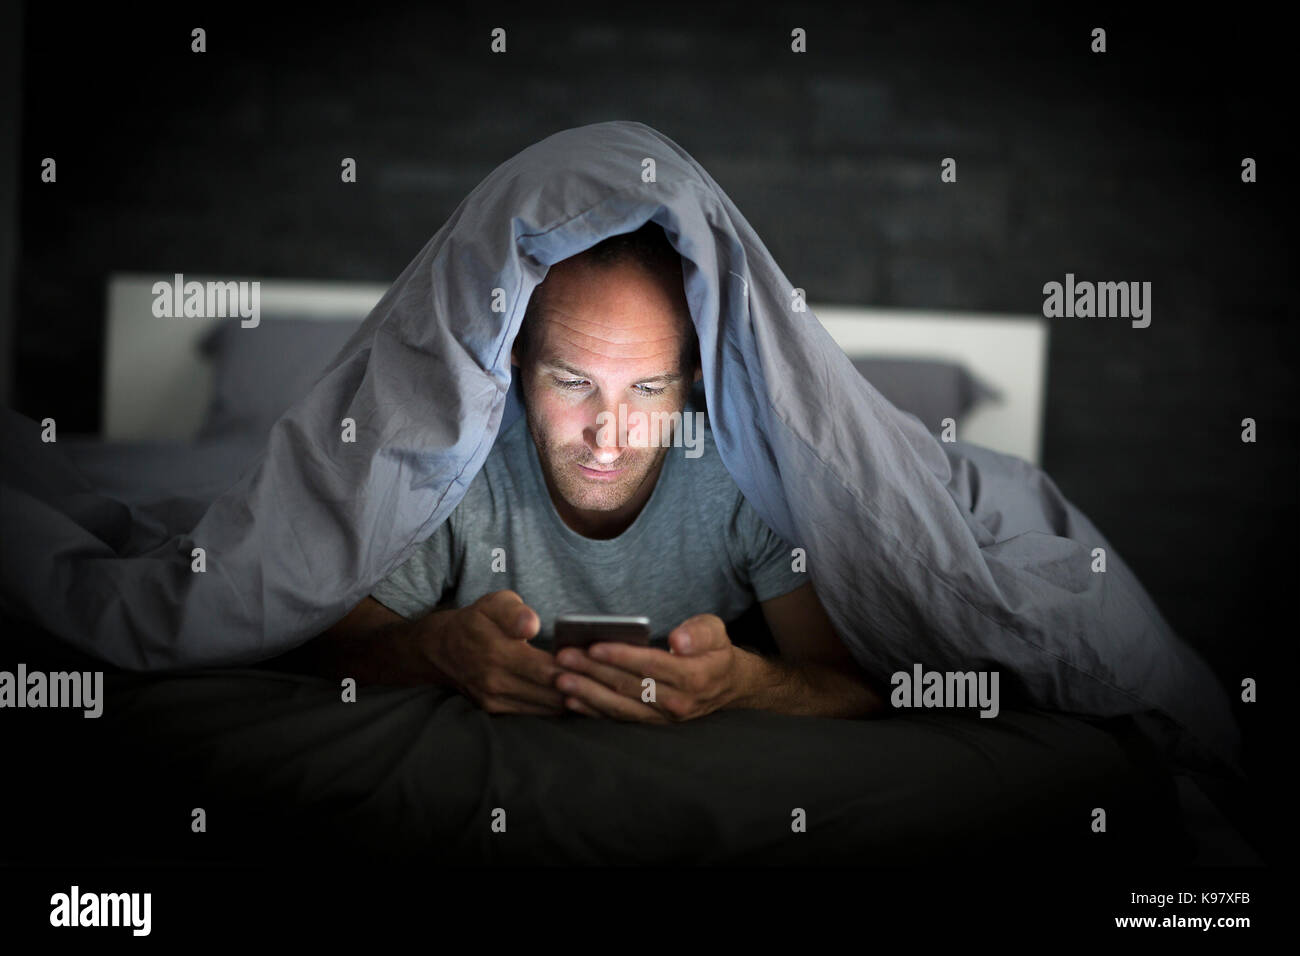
(807, 690)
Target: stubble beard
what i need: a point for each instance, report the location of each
(560, 461)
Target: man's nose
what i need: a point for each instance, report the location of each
(603, 436)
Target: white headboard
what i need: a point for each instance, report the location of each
(156, 385)
(1006, 352)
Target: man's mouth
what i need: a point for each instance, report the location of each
(598, 474)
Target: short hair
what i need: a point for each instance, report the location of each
(647, 247)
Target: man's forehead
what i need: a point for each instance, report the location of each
(590, 336)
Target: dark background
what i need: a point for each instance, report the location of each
(1123, 166)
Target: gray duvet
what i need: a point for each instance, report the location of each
(946, 555)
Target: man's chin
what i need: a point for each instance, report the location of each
(596, 499)
(592, 494)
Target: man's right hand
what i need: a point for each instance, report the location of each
(483, 650)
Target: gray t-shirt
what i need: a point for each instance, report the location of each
(697, 547)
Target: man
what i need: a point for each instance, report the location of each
(568, 515)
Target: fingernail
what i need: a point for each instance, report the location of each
(685, 642)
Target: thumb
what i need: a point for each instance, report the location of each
(508, 611)
(525, 624)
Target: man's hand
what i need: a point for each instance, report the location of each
(483, 650)
(702, 672)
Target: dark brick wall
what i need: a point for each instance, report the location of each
(11, 58)
(1121, 167)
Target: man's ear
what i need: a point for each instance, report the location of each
(699, 374)
(514, 357)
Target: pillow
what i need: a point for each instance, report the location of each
(259, 372)
(931, 390)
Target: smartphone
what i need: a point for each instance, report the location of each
(583, 630)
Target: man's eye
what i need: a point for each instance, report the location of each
(572, 383)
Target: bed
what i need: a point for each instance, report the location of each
(279, 763)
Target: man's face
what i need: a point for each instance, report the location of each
(608, 335)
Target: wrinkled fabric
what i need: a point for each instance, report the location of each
(943, 554)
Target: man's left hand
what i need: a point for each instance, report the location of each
(701, 672)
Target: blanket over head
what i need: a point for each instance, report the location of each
(944, 554)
